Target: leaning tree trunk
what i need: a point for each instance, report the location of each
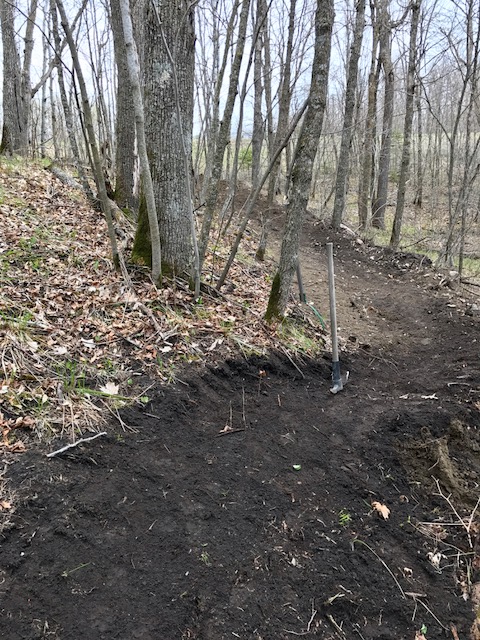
(87, 113)
(69, 123)
(347, 132)
(164, 131)
(303, 162)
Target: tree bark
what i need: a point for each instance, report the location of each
(303, 162)
(164, 131)
(385, 58)
(365, 180)
(407, 130)
(130, 59)
(125, 118)
(258, 124)
(347, 131)
(13, 135)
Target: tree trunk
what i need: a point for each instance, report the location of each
(347, 131)
(13, 135)
(258, 125)
(66, 107)
(385, 57)
(163, 130)
(418, 200)
(87, 113)
(129, 58)
(364, 186)
(125, 119)
(303, 162)
(407, 130)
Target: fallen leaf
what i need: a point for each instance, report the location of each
(111, 389)
(4, 504)
(381, 509)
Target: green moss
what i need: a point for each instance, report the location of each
(273, 309)
(142, 246)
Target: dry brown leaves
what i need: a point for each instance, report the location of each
(72, 335)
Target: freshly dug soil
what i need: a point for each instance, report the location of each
(242, 503)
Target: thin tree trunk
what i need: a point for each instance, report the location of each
(407, 130)
(125, 117)
(69, 124)
(223, 133)
(258, 124)
(303, 163)
(385, 57)
(97, 163)
(364, 187)
(347, 131)
(418, 200)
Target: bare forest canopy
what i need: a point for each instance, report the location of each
(367, 113)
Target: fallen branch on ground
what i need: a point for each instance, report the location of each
(75, 444)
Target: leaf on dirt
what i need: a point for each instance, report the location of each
(419, 636)
(111, 389)
(60, 351)
(226, 429)
(89, 344)
(381, 509)
(435, 558)
(5, 505)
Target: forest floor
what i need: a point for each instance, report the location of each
(243, 500)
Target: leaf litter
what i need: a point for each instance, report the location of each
(72, 329)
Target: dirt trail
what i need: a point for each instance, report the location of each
(267, 532)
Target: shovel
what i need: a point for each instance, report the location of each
(338, 380)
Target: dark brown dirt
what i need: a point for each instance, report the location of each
(268, 532)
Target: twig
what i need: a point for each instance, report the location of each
(383, 562)
(75, 444)
(417, 601)
(337, 627)
(227, 432)
(115, 414)
(243, 407)
(460, 519)
(291, 360)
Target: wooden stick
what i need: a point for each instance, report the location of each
(75, 444)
